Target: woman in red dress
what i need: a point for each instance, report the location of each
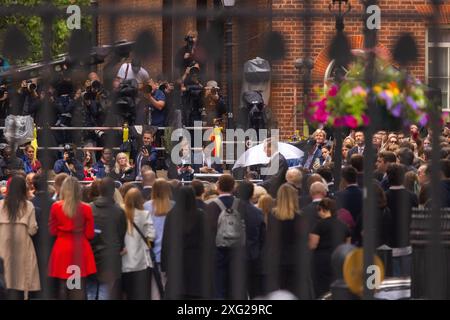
(72, 259)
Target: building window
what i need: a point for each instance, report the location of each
(440, 78)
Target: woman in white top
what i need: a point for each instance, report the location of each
(136, 262)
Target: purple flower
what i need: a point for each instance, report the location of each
(383, 95)
(412, 103)
(423, 120)
(397, 110)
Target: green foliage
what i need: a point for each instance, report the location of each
(32, 26)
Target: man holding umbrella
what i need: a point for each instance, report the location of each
(275, 171)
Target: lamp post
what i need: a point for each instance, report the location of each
(228, 5)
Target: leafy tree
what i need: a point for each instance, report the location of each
(32, 27)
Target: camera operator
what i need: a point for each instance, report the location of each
(28, 97)
(146, 154)
(69, 164)
(132, 71)
(214, 103)
(192, 96)
(10, 163)
(93, 107)
(65, 104)
(126, 102)
(4, 103)
(189, 53)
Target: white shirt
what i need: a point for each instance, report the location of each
(137, 257)
(141, 77)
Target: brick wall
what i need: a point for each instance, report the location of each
(287, 87)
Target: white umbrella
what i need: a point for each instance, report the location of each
(256, 155)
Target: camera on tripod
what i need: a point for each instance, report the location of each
(256, 107)
(70, 150)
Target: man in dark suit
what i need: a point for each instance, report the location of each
(360, 145)
(148, 179)
(357, 162)
(406, 157)
(275, 172)
(351, 198)
(400, 202)
(146, 154)
(42, 240)
(227, 283)
(326, 173)
(255, 230)
(295, 177)
(383, 160)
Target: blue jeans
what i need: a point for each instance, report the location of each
(97, 290)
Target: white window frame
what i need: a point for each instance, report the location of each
(438, 45)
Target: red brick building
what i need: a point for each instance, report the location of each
(308, 36)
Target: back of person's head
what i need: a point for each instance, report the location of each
(294, 177)
(349, 175)
(387, 156)
(225, 184)
(198, 187)
(327, 204)
(357, 162)
(318, 189)
(258, 193)
(16, 197)
(133, 200)
(407, 144)
(59, 179)
(406, 156)
(161, 194)
(410, 181)
(245, 190)
(326, 173)
(313, 178)
(396, 174)
(427, 151)
(71, 196)
(107, 187)
(95, 189)
(125, 188)
(445, 168)
(380, 196)
(445, 152)
(287, 203)
(39, 182)
(148, 178)
(266, 204)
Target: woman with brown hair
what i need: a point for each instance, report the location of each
(72, 222)
(136, 262)
(284, 239)
(17, 225)
(159, 206)
(328, 233)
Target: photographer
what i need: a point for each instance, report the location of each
(65, 105)
(190, 53)
(214, 104)
(69, 164)
(192, 96)
(156, 104)
(28, 97)
(93, 107)
(132, 71)
(126, 101)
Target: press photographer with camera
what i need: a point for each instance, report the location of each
(28, 96)
(192, 96)
(215, 106)
(132, 71)
(94, 101)
(156, 104)
(69, 164)
(64, 104)
(189, 53)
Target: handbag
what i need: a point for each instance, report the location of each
(155, 268)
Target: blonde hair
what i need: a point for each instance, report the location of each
(266, 204)
(161, 193)
(70, 194)
(118, 199)
(117, 166)
(287, 203)
(258, 193)
(133, 200)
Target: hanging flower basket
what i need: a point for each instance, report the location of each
(400, 99)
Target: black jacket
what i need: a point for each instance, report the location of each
(255, 229)
(110, 228)
(273, 182)
(352, 199)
